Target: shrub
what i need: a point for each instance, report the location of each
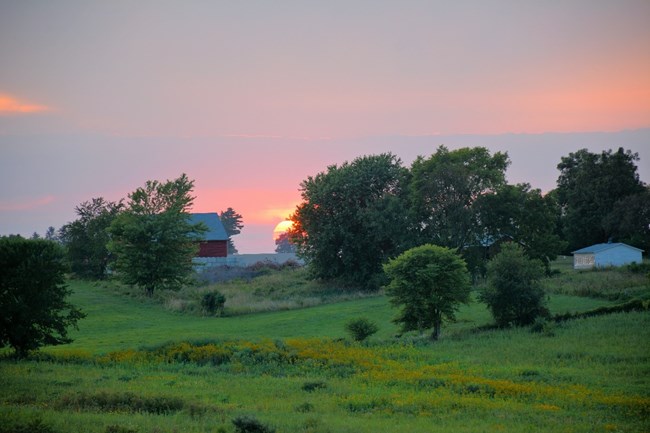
(360, 329)
(313, 386)
(34, 426)
(246, 424)
(513, 293)
(213, 303)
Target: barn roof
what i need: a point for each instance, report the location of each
(216, 231)
(597, 248)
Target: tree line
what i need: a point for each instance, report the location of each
(356, 216)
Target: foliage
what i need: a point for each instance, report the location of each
(86, 239)
(283, 244)
(513, 293)
(351, 220)
(213, 303)
(33, 295)
(444, 193)
(153, 238)
(629, 221)
(588, 188)
(361, 328)
(232, 223)
(36, 425)
(428, 282)
(248, 424)
(517, 213)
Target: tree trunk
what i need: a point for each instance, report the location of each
(436, 330)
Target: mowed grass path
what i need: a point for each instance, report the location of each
(116, 322)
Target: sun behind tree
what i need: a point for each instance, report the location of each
(281, 228)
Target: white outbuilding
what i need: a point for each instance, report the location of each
(604, 255)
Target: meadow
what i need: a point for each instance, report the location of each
(138, 366)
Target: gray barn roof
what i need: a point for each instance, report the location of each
(602, 247)
(215, 232)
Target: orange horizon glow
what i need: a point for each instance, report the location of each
(281, 228)
(11, 105)
(257, 206)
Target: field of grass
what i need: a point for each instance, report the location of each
(137, 367)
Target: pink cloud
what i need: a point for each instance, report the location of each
(11, 105)
(7, 206)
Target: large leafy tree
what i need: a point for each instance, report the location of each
(33, 306)
(588, 188)
(153, 239)
(444, 191)
(232, 223)
(629, 221)
(513, 293)
(517, 213)
(352, 219)
(86, 238)
(429, 283)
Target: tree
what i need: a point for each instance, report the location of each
(51, 234)
(517, 213)
(589, 185)
(429, 282)
(361, 328)
(33, 295)
(86, 239)
(444, 192)
(153, 239)
(232, 223)
(513, 293)
(629, 221)
(283, 244)
(351, 220)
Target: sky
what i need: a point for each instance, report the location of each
(250, 98)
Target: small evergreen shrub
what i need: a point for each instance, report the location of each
(360, 329)
(213, 303)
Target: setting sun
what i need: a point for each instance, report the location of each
(282, 227)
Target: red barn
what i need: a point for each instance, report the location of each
(215, 240)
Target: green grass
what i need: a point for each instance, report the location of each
(122, 373)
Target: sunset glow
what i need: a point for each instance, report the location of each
(281, 228)
(249, 99)
(11, 105)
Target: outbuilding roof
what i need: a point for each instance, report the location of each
(597, 248)
(216, 231)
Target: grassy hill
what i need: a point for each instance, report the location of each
(136, 366)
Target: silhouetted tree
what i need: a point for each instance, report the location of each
(232, 223)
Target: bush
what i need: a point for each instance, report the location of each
(513, 293)
(313, 386)
(246, 424)
(360, 329)
(17, 426)
(213, 303)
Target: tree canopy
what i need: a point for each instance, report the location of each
(33, 295)
(444, 190)
(86, 238)
(352, 219)
(153, 239)
(429, 283)
(588, 188)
